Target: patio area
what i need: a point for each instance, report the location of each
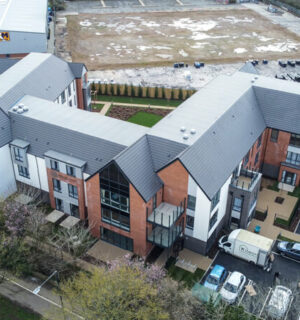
(279, 204)
(190, 261)
(106, 252)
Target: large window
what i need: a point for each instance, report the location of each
(116, 239)
(274, 135)
(259, 141)
(73, 192)
(59, 204)
(191, 202)
(190, 222)
(295, 140)
(293, 158)
(74, 210)
(213, 220)
(69, 90)
(56, 185)
(63, 97)
(18, 154)
(289, 177)
(23, 172)
(114, 188)
(237, 204)
(246, 159)
(215, 200)
(256, 158)
(115, 217)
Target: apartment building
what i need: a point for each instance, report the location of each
(177, 184)
(23, 27)
(44, 76)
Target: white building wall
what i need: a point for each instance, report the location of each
(85, 176)
(7, 178)
(69, 97)
(43, 174)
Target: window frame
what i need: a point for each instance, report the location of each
(56, 185)
(188, 223)
(18, 154)
(295, 140)
(215, 200)
(23, 171)
(54, 164)
(191, 203)
(71, 191)
(72, 172)
(213, 220)
(63, 97)
(237, 207)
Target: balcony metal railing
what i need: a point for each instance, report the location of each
(163, 237)
(166, 214)
(246, 180)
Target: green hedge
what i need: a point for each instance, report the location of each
(274, 187)
(286, 223)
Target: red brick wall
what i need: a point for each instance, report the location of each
(80, 104)
(175, 178)
(14, 55)
(276, 151)
(79, 183)
(253, 151)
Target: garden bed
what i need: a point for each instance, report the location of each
(125, 113)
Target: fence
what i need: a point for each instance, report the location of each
(139, 91)
(285, 6)
(281, 222)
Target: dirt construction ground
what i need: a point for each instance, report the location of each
(159, 38)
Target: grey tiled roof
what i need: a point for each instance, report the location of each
(6, 64)
(248, 67)
(136, 163)
(77, 69)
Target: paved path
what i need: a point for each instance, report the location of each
(108, 104)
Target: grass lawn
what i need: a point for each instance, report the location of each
(187, 277)
(11, 311)
(97, 106)
(282, 238)
(145, 119)
(147, 101)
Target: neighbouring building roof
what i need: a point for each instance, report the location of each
(23, 16)
(248, 67)
(39, 74)
(6, 64)
(77, 69)
(84, 135)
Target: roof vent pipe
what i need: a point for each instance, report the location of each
(193, 131)
(15, 108)
(185, 136)
(20, 110)
(182, 129)
(25, 108)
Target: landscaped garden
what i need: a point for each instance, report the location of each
(97, 107)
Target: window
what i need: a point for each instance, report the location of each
(215, 200)
(54, 165)
(23, 171)
(63, 97)
(213, 220)
(191, 202)
(293, 158)
(69, 90)
(59, 205)
(18, 154)
(75, 102)
(70, 171)
(116, 239)
(74, 85)
(115, 217)
(190, 222)
(74, 210)
(274, 135)
(73, 193)
(288, 177)
(259, 141)
(256, 158)
(246, 159)
(154, 202)
(56, 185)
(295, 140)
(70, 103)
(115, 200)
(237, 204)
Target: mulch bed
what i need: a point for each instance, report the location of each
(124, 113)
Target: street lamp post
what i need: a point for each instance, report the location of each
(37, 289)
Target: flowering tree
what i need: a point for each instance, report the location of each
(15, 215)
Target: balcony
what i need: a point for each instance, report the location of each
(166, 214)
(246, 180)
(163, 237)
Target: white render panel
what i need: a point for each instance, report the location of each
(221, 206)
(33, 179)
(7, 178)
(43, 174)
(192, 187)
(202, 213)
(293, 149)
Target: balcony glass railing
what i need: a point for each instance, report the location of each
(166, 214)
(163, 237)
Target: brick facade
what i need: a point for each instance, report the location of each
(289, 169)
(79, 183)
(80, 104)
(14, 55)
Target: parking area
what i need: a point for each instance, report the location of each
(263, 282)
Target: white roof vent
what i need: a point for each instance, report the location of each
(15, 108)
(25, 108)
(21, 105)
(182, 129)
(20, 110)
(185, 136)
(193, 131)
